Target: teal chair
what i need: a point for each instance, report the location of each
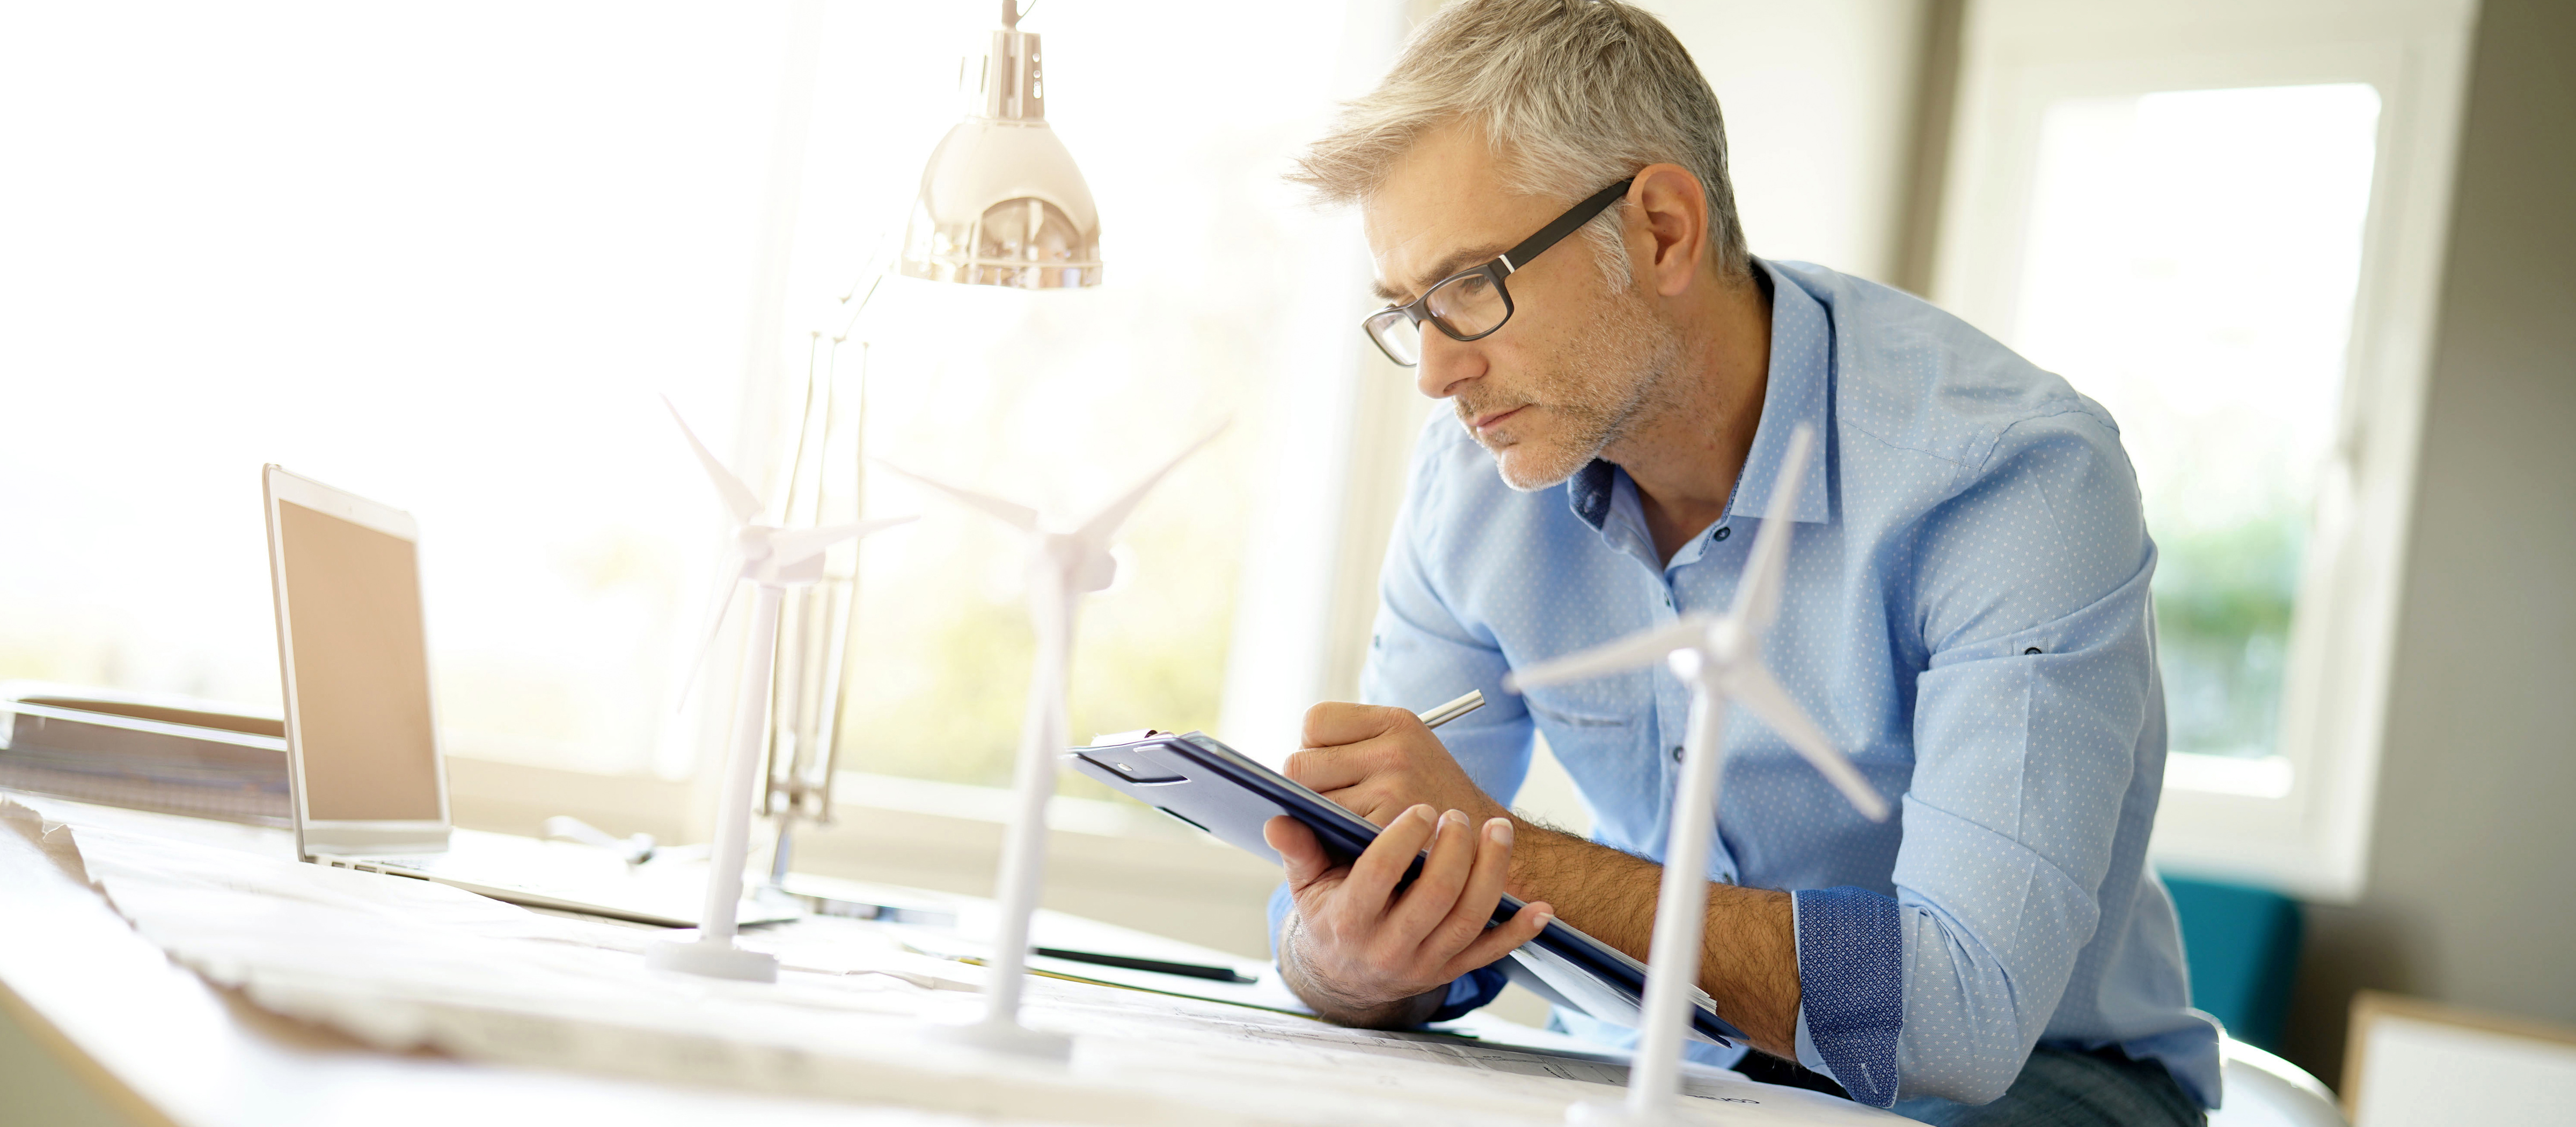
(2242, 944)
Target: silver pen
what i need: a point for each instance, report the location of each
(1474, 700)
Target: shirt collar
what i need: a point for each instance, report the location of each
(1797, 391)
(1588, 491)
(1800, 390)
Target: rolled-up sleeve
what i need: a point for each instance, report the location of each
(2032, 592)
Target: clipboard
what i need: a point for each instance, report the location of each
(1200, 781)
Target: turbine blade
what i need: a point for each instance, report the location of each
(738, 498)
(1107, 520)
(1611, 657)
(732, 584)
(788, 548)
(1753, 687)
(1757, 594)
(1012, 513)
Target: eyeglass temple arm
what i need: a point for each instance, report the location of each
(1565, 224)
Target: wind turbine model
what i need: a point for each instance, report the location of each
(1719, 657)
(773, 559)
(1063, 566)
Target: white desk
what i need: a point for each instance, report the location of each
(161, 1045)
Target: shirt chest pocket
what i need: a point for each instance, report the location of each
(1599, 731)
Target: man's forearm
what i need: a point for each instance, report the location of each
(1749, 946)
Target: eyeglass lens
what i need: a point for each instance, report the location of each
(1397, 334)
(1466, 306)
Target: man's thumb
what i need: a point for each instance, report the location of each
(1300, 855)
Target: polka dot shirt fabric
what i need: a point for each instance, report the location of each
(1965, 614)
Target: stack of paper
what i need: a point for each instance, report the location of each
(407, 964)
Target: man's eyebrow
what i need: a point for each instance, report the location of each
(1446, 267)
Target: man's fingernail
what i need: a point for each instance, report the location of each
(1500, 829)
(1454, 818)
(1424, 812)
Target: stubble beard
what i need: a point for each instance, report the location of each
(1616, 371)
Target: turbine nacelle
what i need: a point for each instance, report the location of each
(1685, 664)
(1087, 567)
(762, 553)
(1729, 642)
(1078, 558)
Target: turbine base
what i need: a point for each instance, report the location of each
(1003, 1035)
(1617, 1113)
(712, 959)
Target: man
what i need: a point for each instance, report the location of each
(1966, 612)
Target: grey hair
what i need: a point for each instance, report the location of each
(1572, 95)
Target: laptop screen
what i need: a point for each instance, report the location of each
(361, 701)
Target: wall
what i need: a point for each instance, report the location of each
(1820, 103)
(2472, 887)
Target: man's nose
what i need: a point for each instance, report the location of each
(1446, 364)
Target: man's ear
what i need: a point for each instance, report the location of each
(1669, 227)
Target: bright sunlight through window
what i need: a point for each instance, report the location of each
(446, 256)
(2191, 263)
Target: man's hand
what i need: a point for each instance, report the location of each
(1376, 762)
(1364, 954)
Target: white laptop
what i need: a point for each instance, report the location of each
(367, 787)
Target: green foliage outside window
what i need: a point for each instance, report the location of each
(2223, 602)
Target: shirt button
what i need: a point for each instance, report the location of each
(1677, 753)
(1722, 533)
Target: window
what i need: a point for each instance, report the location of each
(445, 258)
(2236, 254)
(439, 256)
(2191, 264)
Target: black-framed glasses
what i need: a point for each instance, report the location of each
(1472, 304)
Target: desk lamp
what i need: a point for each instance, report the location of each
(1001, 203)
(1719, 657)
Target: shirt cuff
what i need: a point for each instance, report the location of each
(1851, 989)
(1280, 905)
(1467, 994)
(1470, 993)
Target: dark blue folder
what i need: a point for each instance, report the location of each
(1200, 781)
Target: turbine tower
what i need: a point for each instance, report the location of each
(1720, 658)
(772, 560)
(1063, 567)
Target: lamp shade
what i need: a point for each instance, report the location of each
(1001, 202)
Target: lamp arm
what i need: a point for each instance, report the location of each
(802, 774)
(840, 694)
(872, 273)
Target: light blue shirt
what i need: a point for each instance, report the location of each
(1966, 615)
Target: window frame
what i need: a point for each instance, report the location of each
(2300, 821)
